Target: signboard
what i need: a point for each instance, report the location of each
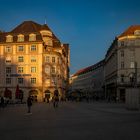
(18, 75)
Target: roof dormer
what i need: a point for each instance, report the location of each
(137, 32)
(20, 38)
(9, 38)
(45, 33)
(32, 37)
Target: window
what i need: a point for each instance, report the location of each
(20, 48)
(54, 81)
(33, 59)
(53, 59)
(8, 49)
(47, 59)
(47, 70)
(20, 59)
(49, 42)
(58, 60)
(132, 77)
(33, 69)
(33, 80)
(8, 60)
(122, 53)
(9, 38)
(132, 53)
(47, 81)
(122, 43)
(122, 65)
(32, 37)
(33, 47)
(53, 69)
(131, 42)
(137, 42)
(20, 38)
(132, 64)
(8, 80)
(122, 78)
(20, 69)
(20, 80)
(8, 70)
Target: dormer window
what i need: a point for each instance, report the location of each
(137, 32)
(9, 38)
(45, 33)
(20, 38)
(32, 37)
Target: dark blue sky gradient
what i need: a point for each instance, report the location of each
(89, 26)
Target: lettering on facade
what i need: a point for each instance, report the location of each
(18, 75)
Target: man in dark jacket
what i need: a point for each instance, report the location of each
(29, 104)
(2, 102)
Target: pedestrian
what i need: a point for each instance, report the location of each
(55, 98)
(2, 102)
(29, 104)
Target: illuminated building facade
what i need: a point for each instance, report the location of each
(33, 59)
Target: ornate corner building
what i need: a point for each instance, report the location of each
(34, 59)
(122, 64)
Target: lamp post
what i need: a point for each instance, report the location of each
(135, 75)
(132, 93)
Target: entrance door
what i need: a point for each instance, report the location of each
(33, 94)
(47, 95)
(122, 95)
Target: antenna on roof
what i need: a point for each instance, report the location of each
(45, 20)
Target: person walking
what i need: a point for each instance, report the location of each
(2, 102)
(55, 98)
(29, 104)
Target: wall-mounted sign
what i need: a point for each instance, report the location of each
(18, 75)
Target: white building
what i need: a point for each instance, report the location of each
(89, 81)
(122, 64)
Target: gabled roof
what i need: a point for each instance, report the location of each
(130, 30)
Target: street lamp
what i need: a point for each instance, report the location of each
(133, 76)
(132, 94)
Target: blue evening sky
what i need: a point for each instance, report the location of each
(89, 26)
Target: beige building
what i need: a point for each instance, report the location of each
(122, 64)
(33, 62)
(89, 81)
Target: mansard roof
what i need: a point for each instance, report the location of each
(29, 27)
(26, 28)
(130, 31)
